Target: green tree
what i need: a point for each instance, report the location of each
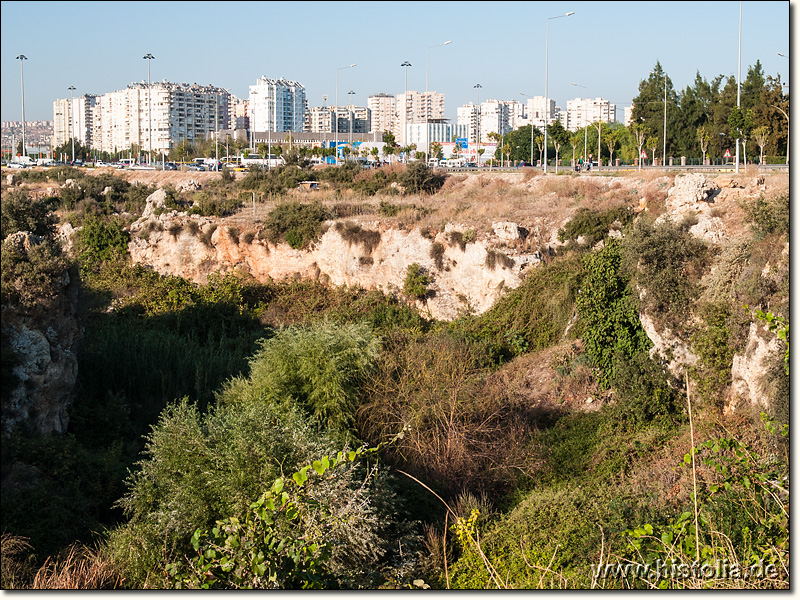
(558, 135)
(18, 212)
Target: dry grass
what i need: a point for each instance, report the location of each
(78, 568)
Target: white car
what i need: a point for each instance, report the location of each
(15, 165)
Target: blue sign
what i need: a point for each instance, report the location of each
(461, 142)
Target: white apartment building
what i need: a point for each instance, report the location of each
(496, 116)
(416, 107)
(172, 112)
(75, 117)
(535, 107)
(276, 105)
(323, 119)
(319, 119)
(439, 130)
(383, 112)
(585, 111)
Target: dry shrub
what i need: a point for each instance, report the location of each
(461, 430)
(353, 233)
(16, 571)
(80, 568)
(453, 181)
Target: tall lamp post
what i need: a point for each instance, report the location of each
(585, 126)
(477, 87)
(739, 81)
(405, 66)
(71, 121)
(148, 57)
(546, 101)
(427, 100)
(787, 119)
(22, 58)
(351, 93)
(336, 113)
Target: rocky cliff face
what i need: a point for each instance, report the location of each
(466, 276)
(44, 344)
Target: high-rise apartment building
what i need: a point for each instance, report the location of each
(585, 111)
(75, 117)
(277, 105)
(383, 112)
(417, 107)
(118, 120)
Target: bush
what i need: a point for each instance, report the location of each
(296, 223)
(609, 322)
(667, 263)
(594, 225)
(416, 282)
(99, 242)
(768, 215)
(32, 276)
(21, 213)
(419, 178)
(318, 369)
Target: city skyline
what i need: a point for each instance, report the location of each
(507, 58)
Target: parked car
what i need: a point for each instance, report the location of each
(197, 168)
(15, 165)
(170, 166)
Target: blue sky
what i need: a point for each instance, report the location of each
(608, 47)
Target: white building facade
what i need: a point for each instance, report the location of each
(277, 105)
(416, 107)
(383, 112)
(585, 111)
(157, 117)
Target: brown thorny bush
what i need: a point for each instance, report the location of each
(462, 430)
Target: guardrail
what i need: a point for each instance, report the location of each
(612, 168)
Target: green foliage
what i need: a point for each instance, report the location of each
(768, 216)
(594, 225)
(296, 223)
(667, 262)
(262, 550)
(609, 322)
(711, 343)
(530, 317)
(420, 178)
(98, 242)
(213, 203)
(319, 369)
(19, 212)
(416, 282)
(274, 181)
(780, 327)
(32, 275)
(742, 517)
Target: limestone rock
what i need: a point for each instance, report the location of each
(750, 368)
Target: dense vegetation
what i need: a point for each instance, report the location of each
(296, 435)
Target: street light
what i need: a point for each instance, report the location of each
(71, 119)
(351, 93)
(148, 57)
(405, 64)
(427, 100)
(585, 126)
(477, 87)
(336, 112)
(22, 58)
(546, 102)
(253, 123)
